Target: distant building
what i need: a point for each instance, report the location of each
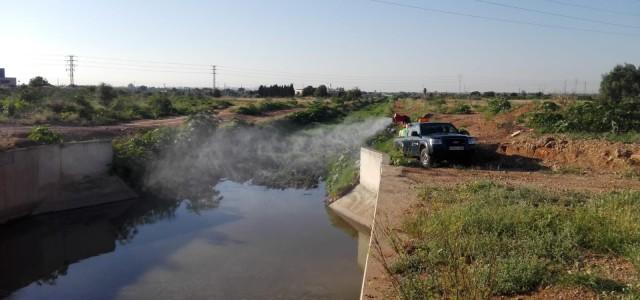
(6, 82)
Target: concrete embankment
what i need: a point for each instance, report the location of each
(358, 207)
(52, 178)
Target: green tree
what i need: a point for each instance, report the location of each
(489, 94)
(321, 91)
(623, 82)
(354, 94)
(106, 94)
(38, 81)
(308, 91)
(217, 93)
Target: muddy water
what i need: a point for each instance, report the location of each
(246, 242)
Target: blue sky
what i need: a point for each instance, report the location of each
(348, 43)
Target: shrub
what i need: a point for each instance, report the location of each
(316, 112)
(106, 94)
(498, 105)
(11, 109)
(262, 107)
(160, 106)
(131, 154)
(86, 109)
(461, 108)
(42, 134)
(342, 176)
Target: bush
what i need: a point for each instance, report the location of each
(461, 108)
(585, 117)
(131, 154)
(106, 94)
(160, 106)
(498, 105)
(342, 176)
(316, 112)
(262, 107)
(43, 135)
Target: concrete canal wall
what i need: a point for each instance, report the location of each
(358, 207)
(57, 177)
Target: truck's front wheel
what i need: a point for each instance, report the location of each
(425, 159)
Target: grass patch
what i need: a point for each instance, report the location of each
(262, 107)
(487, 239)
(416, 108)
(44, 135)
(569, 170)
(343, 175)
(596, 283)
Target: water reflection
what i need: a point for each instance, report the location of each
(40, 249)
(258, 243)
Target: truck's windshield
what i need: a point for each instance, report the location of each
(431, 128)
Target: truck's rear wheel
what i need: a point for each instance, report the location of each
(425, 159)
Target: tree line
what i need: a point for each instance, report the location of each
(277, 91)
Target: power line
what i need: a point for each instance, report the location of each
(598, 9)
(140, 69)
(512, 21)
(71, 68)
(145, 61)
(147, 65)
(213, 70)
(557, 14)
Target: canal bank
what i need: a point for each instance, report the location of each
(50, 178)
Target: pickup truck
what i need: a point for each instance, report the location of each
(430, 142)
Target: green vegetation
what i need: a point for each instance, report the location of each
(461, 108)
(343, 176)
(39, 102)
(265, 106)
(316, 113)
(616, 113)
(132, 154)
(484, 239)
(383, 142)
(498, 105)
(276, 91)
(44, 135)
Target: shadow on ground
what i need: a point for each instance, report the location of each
(488, 157)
